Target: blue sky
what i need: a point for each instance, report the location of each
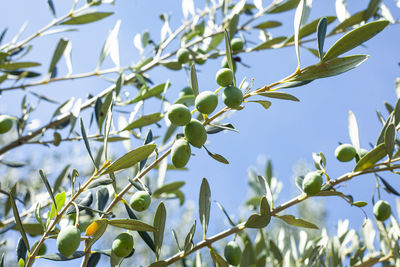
(287, 133)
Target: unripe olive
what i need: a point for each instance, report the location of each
(363, 152)
(224, 64)
(182, 55)
(232, 97)
(140, 201)
(206, 102)
(224, 77)
(57, 138)
(382, 210)
(312, 183)
(186, 91)
(42, 249)
(6, 123)
(237, 44)
(233, 253)
(68, 240)
(195, 133)
(180, 153)
(179, 114)
(122, 245)
(345, 152)
(199, 51)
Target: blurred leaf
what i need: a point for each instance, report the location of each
(60, 201)
(59, 257)
(86, 141)
(321, 33)
(217, 259)
(204, 205)
(290, 219)
(13, 164)
(102, 198)
(264, 103)
(147, 93)
(389, 188)
(159, 224)
(268, 24)
(359, 204)
(226, 214)
(189, 239)
(390, 139)
(100, 181)
(372, 157)
(104, 109)
(107, 128)
(60, 178)
(353, 131)
(216, 128)
(33, 229)
(94, 259)
(283, 6)
(52, 8)
(18, 220)
(279, 95)
(58, 52)
(18, 65)
(82, 202)
(233, 23)
(355, 38)
(299, 20)
(85, 18)
(144, 121)
(228, 52)
(381, 137)
(187, 100)
(47, 185)
(172, 64)
(329, 68)
(351, 21)
(159, 264)
(373, 6)
(21, 249)
(269, 43)
(193, 80)
(131, 158)
(312, 27)
(262, 220)
(131, 224)
(275, 251)
(167, 188)
(147, 140)
(111, 46)
(217, 157)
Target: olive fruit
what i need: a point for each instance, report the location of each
(199, 52)
(68, 240)
(363, 152)
(42, 249)
(180, 153)
(233, 253)
(6, 123)
(224, 77)
(232, 97)
(179, 114)
(224, 64)
(382, 210)
(195, 133)
(345, 152)
(186, 91)
(312, 183)
(236, 44)
(140, 201)
(122, 245)
(182, 55)
(206, 102)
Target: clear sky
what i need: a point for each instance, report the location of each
(287, 133)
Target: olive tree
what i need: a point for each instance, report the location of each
(117, 210)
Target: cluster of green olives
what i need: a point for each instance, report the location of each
(233, 253)
(6, 123)
(347, 152)
(122, 245)
(68, 240)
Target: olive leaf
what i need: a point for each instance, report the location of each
(204, 205)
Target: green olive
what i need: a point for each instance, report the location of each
(42, 249)
(186, 91)
(232, 97)
(180, 153)
(224, 64)
(57, 139)
(224, 77)
(363, 152)
(68, 240)
(199, 52)
(6, 123)
(195, 133)
(382, 210)
(179, 114)
(140, 201)
(233, 253)
(122, 245)
(182, 55)
(345, 152)
(206, 102)
(312, 183)
(237, 44)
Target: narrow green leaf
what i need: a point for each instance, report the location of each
(58, 52)
(111, 46)
(388, 187)
(269, 43)
(33, 229)
(216, 128)
(290, 219)
(381, 137)
(38, 215)
(217, 259)
(193, 80)
(298, 21)
(275, 251)
(172, 64)
(260, 220)
(353, 131)
(102, 196)
(60, 201)
(187, 100)
(283, 6)
(373, 6)
(18, 65)
(159, 224)
(18, 220)
(217, 157)
(279, 95)
(355, 38)
(103, 110)
(86, 141)
(228, 52)
(329, 68)
(390, 139)
(372, 157)
(226, 214)
(147, 140)
(359, 204)
(167, 188)
(107, 128)
(60, 178)
(47, 185)
(131, 158)
(147, 93)
(95, 230)
(312, 27)
(85, 18)
(321, 33)
(21, 250)
(204, 205)
(131, 224)
(268, 24)
(59, 257)
(100, 181)
(144, 121)
(189, 239)
(52, 8)
(351, 21)
(266, 104)
(159, 264)
(233, 23)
